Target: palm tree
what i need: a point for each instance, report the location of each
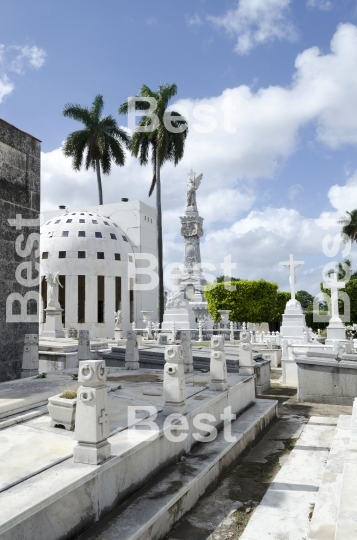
(165, 145)
(349, 225)
(101, 138)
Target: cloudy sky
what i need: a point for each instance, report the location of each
(270, 91)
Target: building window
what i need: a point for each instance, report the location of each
(74, 214)
(117, 293)
(48, 222)
(81, 298)
(82, 221)
(98, 235)
(113, 236)
(90, 214)
(62, 254)
(81, 233)
(125, 239)
(100, 255)
(100, 299)
(81, 254)
(105, 223)
(65, 233)
(45, 255)
(145, 218)
(82, 214)
(117, 256)
(58, 221)
(94, 221)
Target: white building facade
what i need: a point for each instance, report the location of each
(96, 251)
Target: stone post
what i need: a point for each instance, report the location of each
(200, 332)
(83, 345)
(30, 356)
(131, 351)
(187, 350)
(218, 365)
(246, 362)
(174, 381)
(231, 327)
(92, 421)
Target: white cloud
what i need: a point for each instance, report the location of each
(194, 20)
(344, 198)
(267, 123)
(15, 58)
(6, 87)
(255, 22)
(324, 5)
(295, 190)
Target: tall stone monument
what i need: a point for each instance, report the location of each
(192, 280)
(294, 324)
(336, 330)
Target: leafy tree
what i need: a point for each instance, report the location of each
(165, 145)
(349, 228)
(102, 140)
(222, 279)
(282, 298)
(306, 299)
(251, 301)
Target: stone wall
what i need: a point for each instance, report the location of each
(19, 200)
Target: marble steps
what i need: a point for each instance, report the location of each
(324, 518)
(346, 528)
(152, 512)
(19, 418)
(155, 360)
(286, 507)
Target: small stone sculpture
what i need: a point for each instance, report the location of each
(83, 345)
(218, 365)
(92, 420)
(246, 362)
(131, 351)
(174, 381)
(53, 284)
(187, 350)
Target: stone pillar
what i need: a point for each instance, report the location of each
(83, 345)
(131, 351)
(218, 365)
(30, 356)
(246, 362)
(53, 325)
(187, 350)
(92, 421)
(174, 381)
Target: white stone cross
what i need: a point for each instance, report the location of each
(334, 285)
(103, 419)
(292, 265)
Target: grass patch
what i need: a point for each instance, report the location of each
(41, 376)
(69, 394)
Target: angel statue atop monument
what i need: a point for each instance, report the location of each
(53, 284)
(193, 184)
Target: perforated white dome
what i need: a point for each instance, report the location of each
(81, 236)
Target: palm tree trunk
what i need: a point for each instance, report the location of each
(159, 242)
(99, 180)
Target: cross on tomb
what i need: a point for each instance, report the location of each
(334, 285)
(103, 419)
(292, 266)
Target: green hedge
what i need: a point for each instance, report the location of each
(253, 301)
(281, 299)
(351, 291)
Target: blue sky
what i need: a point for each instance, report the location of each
(288, 66)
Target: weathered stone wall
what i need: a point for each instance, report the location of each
(19, 195)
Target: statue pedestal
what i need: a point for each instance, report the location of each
(117, 334)
(183, 318)
(53, 324)
(294, 324)
(336, 331)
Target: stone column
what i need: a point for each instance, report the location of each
(92, 421)
(218, 365)
(174, 381)
(246, 362)
(131, 351)
(187, 350)
(30, 356)
(83, 345)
